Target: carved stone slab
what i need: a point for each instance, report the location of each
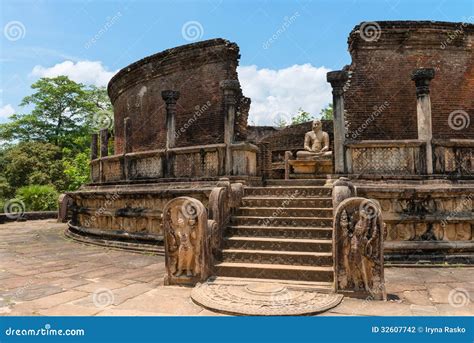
(358, 247)
(187, 246)
(262, 299)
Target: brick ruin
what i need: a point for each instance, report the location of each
(182, 146)
(380, 83)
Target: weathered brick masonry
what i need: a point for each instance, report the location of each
(195, 70)
(382, 96)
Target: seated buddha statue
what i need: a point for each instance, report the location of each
(316, 144)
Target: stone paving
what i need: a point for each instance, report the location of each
(44, 273)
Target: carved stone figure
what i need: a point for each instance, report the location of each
(186, 234)
(187, 246)
(316, 143)
(359, 247)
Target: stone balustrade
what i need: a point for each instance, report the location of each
(404, 157)
(188, 162)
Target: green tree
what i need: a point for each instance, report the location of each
(38, 198)
(29, 163)
(76, 168)
(62, 113)
(301, 117)
(327, 113)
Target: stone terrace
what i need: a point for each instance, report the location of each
(44, 273)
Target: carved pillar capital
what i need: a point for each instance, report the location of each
(422, 78)
(230, 88)
(337, 79)
(170, 96)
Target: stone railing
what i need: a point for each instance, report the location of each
(404, 157)
(187, 162)
(454, 156)
(222, 200)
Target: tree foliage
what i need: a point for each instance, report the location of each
(30, 163)
(38, 198)
(327, 113)
(62, 113)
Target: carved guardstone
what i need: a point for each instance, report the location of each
(358, 248)
(187, 242)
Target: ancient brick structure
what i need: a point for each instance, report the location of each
(194, 70)
(181, 137)
(380, 100)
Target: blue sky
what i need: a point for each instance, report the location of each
(100, 37)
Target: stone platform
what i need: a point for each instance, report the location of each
(42, 273)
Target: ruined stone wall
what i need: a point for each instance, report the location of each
(195, 70)
(380, 98)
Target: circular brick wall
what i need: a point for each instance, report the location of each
(195, 70)
(380, 98)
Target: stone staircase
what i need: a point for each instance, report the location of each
(282, 232)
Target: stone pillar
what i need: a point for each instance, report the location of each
(422, 78)
(338, 79)
(94, 146)
(127, 135)
(230, 88)
(104, 142)
(170, 97)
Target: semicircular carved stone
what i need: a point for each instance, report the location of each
(358, 248)
(187, 241)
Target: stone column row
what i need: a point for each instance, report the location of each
(422, 78)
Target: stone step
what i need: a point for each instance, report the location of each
(292, 183)
(281, 221)
(278, 257)
(284, 212)
(274, 271)
(289, 192)
(318, 286)
(280, 232)
(263, 201)
(278, 244)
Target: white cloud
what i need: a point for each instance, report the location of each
(6, 111)
(279, 93)
(87, 72)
